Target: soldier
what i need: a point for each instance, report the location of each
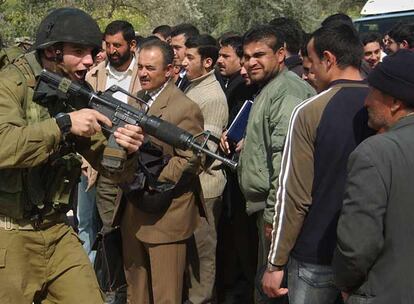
(41, 258)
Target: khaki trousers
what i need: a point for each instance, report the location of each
(154, 272)
(45, 266)
(106, 192)
(202, 255)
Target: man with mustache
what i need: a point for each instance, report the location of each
(155, 244)
(179, 35)
(237, 240)
(401, 36)
(229, 64)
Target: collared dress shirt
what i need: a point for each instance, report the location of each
(121, 79)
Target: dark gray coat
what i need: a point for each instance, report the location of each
(374, 258)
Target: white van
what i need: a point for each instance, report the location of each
(382, 15)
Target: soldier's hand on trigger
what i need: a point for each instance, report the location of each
(130, 137)
(85, 122)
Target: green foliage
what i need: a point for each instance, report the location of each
(218, 16)
(21, 18)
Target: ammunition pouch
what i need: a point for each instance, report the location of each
(53, 183)
(50, 184)
(12, 195)
(64, 175)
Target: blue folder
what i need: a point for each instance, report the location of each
(238, 126)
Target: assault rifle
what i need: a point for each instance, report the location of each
(78, 96)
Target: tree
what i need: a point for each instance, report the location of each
(21, 18)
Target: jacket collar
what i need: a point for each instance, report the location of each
(34, 63)
(348, 82)
(276, 78)
(403, 122)
(162, 100)
(203, 80)
(293, 61)
(98, 77)
(100, 66)
(235, 80)
(111, 70)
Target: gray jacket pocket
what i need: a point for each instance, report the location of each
(358, 299)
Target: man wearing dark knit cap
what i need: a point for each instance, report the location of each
(373, 261)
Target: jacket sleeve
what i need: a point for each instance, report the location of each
(23, 145)
(295, 186)
(280, 112)
(191, 121)
(360, 226)
(215, 114)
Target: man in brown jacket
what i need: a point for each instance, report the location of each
(154, 245)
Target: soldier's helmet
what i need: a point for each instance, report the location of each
(68, 25)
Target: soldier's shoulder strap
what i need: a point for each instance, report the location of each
(9, 54)
(24, 66)
(29, 67)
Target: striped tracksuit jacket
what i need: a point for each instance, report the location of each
(323, 131)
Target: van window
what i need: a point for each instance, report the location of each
(381, 24)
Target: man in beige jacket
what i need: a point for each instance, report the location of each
(119, 69)
(200, 57)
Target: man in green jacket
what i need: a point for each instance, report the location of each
(41, 258)
(281, 91)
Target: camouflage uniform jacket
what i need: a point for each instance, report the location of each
(31, 139)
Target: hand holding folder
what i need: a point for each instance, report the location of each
(237, 128)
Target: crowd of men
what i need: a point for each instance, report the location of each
(317, 211)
